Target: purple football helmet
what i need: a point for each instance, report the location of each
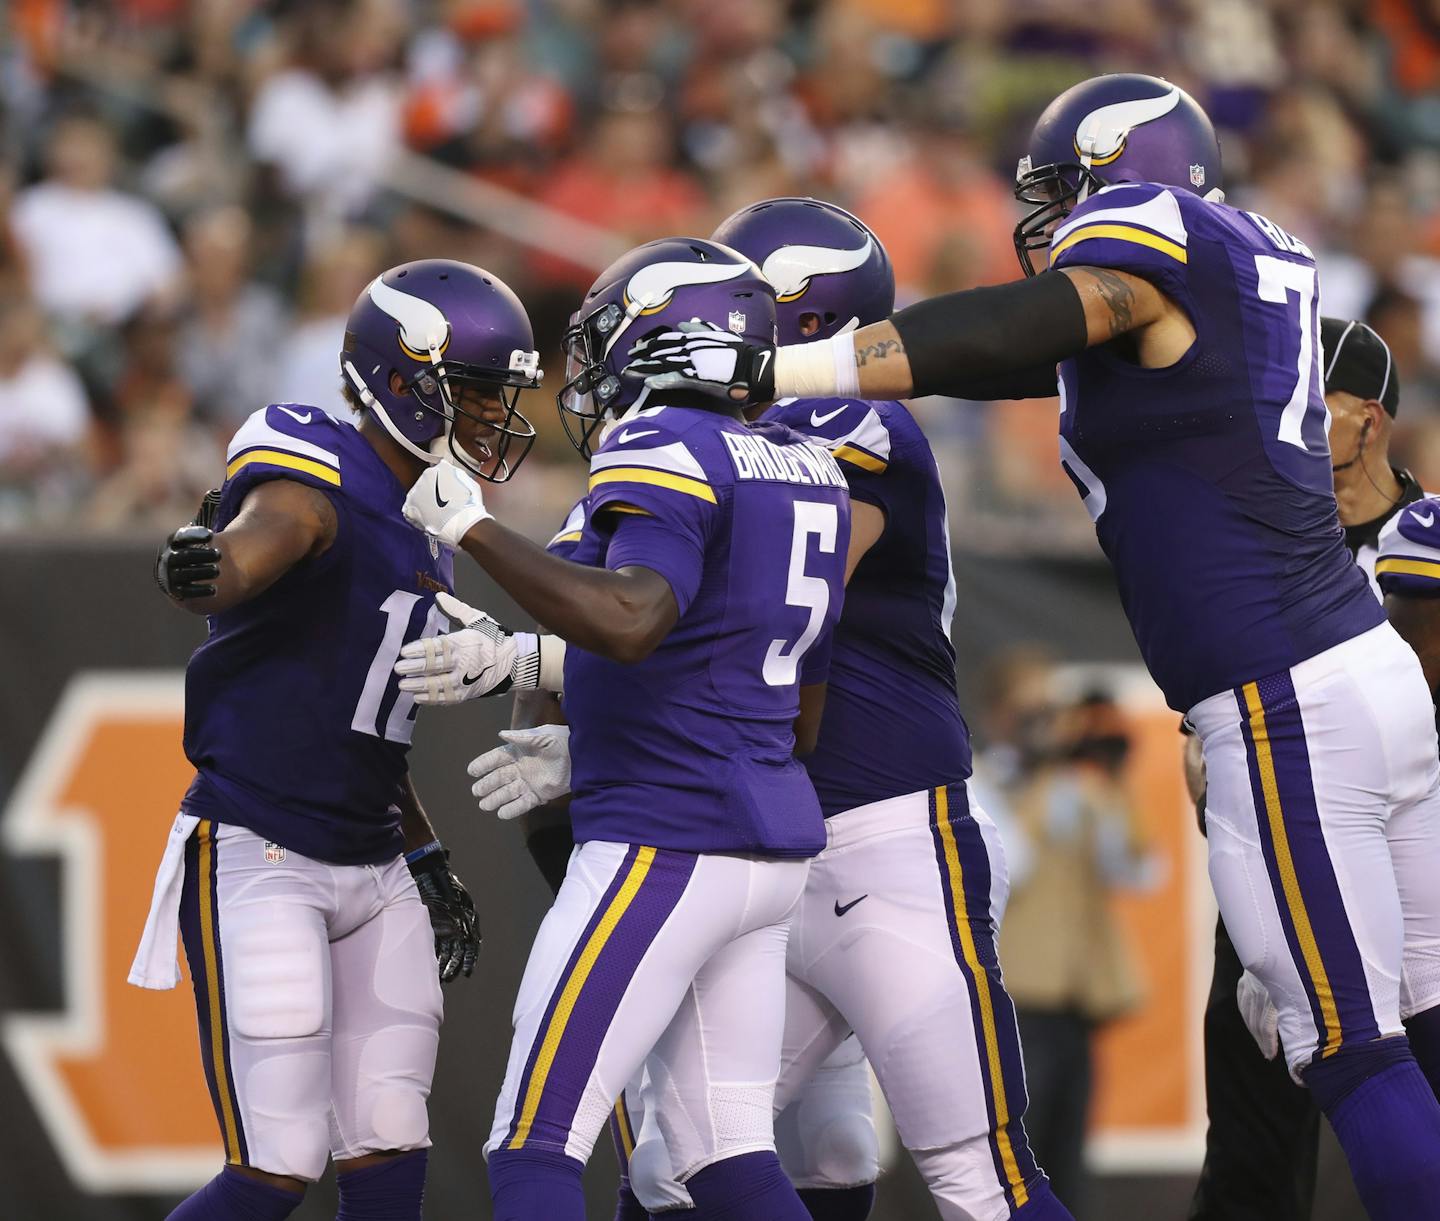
(1108, 130)
(830, 271)
(443, 326)
(655, 287)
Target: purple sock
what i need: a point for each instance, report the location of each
(526, 1184)
(1423, 1031)
(1388, 1122)
(1042, 1204)
(747, 1187)
(392, 1190)
(838, 1203)
(234, 1196)
(627, 1207)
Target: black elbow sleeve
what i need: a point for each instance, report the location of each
(962, 341)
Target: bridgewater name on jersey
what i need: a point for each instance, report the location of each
(1209, 481)
(892, 720)
(293, 717)
(692, 749)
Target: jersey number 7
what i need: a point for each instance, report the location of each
(1278, 279)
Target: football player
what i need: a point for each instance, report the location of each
(1262, 1141)
(301, 866)
(706, 579)
(1193, 426)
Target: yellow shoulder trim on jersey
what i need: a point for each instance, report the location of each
(1408, 568)
(659, 479)
(619, 508)
(858, 457)
(1123, 233)
(572, 537)
(273, 457)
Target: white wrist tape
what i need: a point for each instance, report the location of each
(552, 664)
(818, 370)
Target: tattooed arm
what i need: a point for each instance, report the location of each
(1004, 341)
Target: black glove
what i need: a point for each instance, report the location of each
(187, 564)
(698, 359)
(452, 914)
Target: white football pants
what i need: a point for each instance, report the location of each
(1323, 817)
(652, 953)
(318, 1000)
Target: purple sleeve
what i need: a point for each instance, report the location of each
(1139, 229)
(677, 554)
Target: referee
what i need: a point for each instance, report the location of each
(1262, 1142)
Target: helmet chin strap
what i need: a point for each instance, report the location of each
(372, 404)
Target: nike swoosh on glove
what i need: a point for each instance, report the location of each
(445, 502)
(533, 767)
(482, 658)
(699, 358)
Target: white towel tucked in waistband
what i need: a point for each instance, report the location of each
(155, 964)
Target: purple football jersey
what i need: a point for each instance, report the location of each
(1209, 481)
(1409, 556)
(892, 718)
(293, 716)
(693, 748)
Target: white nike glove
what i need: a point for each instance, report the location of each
(533, 767)
(699, 357)
(445, 502)
(1261, 1017)
(482, 658)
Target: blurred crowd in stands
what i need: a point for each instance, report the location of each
(192, 192)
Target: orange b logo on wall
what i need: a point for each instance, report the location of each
(114, 1076)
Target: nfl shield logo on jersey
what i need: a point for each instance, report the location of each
(274, 854)
(1197, 175)
(737, 322)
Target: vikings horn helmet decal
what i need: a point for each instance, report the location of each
(791, 268)
(1108, 130)
(674, 280)
(434, 340)
(830, 272)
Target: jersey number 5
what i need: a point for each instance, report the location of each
(1278, 279)
(812, 517)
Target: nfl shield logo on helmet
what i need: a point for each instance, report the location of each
(737, 322)
(1197, 175)
(274, 854)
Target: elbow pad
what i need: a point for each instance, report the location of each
(954, 341)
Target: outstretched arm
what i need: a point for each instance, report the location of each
(996, 342)
(949, 343)
(622, 614)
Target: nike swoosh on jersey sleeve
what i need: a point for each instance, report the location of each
(269, 437)
(867, 445)
(1409, 555)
